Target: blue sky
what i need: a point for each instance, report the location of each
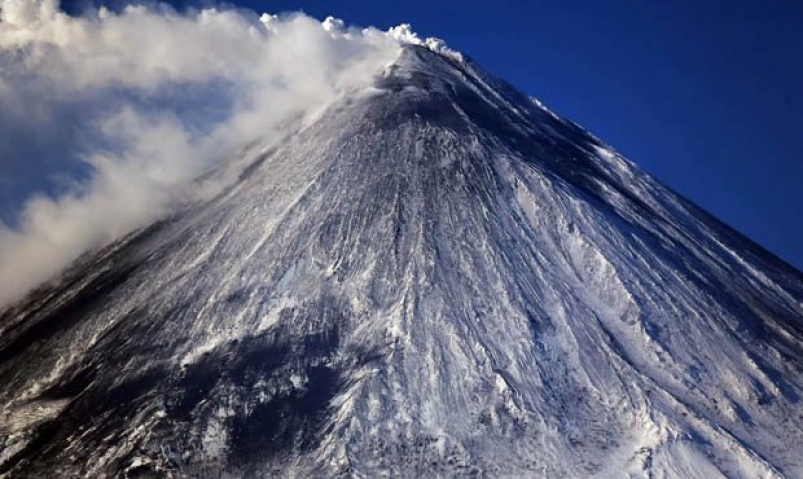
(705, 95)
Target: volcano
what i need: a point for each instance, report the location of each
(435, 277)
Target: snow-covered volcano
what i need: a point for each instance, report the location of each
(437, 277)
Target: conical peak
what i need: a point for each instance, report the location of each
(442, 90)
(440, 274)
(420, 74)
(436, 90)
(420, 58)
(419, 68)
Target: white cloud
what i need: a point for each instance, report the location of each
(145, 100)
(404, 34)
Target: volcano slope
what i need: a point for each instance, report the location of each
(437, 277)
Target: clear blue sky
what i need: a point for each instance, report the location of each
(707, 96)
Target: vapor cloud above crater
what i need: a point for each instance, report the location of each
(106, 118)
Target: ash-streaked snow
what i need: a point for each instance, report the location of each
(435, 278)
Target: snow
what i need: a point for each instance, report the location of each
(495, 292)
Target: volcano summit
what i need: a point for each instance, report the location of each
(437, 277)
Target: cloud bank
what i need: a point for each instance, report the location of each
(107, 117)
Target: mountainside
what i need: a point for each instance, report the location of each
(437, 277)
